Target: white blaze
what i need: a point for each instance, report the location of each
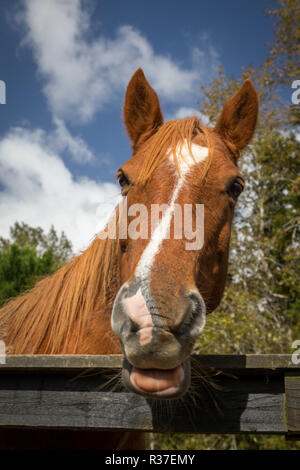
(185, 162)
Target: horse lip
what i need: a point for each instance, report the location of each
(172, 393)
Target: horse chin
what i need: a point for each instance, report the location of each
(159, 384)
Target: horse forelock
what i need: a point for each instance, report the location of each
(170, 137)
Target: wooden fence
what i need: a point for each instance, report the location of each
(229, 394)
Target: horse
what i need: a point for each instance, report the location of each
(145, 296)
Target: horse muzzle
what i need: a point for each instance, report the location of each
(156, 347)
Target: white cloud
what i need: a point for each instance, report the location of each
(39, 190)
(60, 140)
(185, 111)
(83, 74)
(74, 145)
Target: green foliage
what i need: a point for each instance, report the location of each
(219, 442)
(280, 168)
(35, 237)
(28, 255)
(285, 49)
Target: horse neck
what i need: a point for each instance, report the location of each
(68, 312)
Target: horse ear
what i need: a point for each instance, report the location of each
(142, 114)
(238, 118)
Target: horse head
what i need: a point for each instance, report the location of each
(184, 183)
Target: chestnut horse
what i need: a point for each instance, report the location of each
(147, 296)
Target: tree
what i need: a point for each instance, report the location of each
(285, 49)
(265, 245)
(28, 255)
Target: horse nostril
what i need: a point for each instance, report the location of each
(134, 327)
(194, 319)
(176, 322)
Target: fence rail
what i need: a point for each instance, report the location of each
(229, 394)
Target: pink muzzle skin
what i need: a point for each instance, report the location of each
(138, 312)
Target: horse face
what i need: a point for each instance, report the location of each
(173, 267)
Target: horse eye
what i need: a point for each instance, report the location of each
(123, 180)
(235, 189)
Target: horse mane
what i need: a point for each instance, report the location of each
(166, 141)
(54, 311)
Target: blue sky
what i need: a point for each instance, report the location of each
(66, 64)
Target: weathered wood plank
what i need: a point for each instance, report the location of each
(123, 411)
(83, 393)
(71, 361)
(74, 410)
(292, 390)
(248, 404)
(223, 362)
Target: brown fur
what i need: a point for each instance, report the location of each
(239, 116)
(141, 110)
(53, 316)
(165, 141)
